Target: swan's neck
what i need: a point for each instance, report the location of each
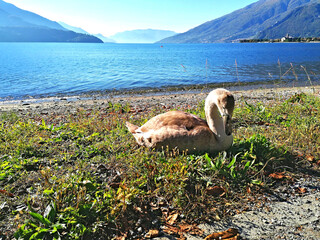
(217, 124)
(215, 121)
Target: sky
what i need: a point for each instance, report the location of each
(111, 16)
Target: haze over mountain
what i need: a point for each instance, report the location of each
(17, 25)
(103, 38)
(72, 28)
(80, 30)
(261, 19)
(142, 36)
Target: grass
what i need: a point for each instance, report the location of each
(81, 175)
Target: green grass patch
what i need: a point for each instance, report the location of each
(82, 175)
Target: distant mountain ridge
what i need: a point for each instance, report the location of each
(72, 28)
(142, 36)
(80, 30)
(17, 25)
(103, 38)
(248, 22)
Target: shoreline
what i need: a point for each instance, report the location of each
(164, 90)
(147, 99)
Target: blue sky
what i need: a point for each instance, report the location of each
(111, 16)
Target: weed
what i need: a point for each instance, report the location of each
(85, 176)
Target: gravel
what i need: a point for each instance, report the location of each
(298, 217)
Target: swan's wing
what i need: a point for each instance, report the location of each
(175, 120)
(174, 129)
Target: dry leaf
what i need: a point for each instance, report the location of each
(121, 237)
(299, 154)
(230, 234)
(191, 229)
(301, 190)
(152, 234)
(183, 228)
(170, 229)
(138, 209)
(277, 175)
(172, 218)
(310, 158)
(6, 193)
(215, 191)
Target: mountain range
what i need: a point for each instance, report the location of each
(262, 19)
(142, 36)
(80, 30)
(132, 36)
(17, 25)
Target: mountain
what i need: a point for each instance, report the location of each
(103, 38)
(244, 23)
(80, 30)
(17, 25)
(72, 28)
(13, 16)
(33, 34)
(308, 15)
(141, 36)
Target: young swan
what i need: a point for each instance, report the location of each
(190, 133)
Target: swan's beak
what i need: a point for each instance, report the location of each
(227, 124)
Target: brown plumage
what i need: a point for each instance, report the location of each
(187, 132)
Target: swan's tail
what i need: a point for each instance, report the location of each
(142, 139)
(131, 127)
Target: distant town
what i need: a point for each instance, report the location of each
(287, 38)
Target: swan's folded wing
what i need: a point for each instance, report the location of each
(174, 119)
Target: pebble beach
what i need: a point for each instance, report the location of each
(143, 101)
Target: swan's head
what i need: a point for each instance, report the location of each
(224, 101)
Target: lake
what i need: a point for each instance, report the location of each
(50, 69)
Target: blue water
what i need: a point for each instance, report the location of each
(48, 69)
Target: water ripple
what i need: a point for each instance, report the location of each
(48, 69)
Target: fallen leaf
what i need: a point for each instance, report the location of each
(310, 158)
(172, 218)
(215, 191)
(277, 175)
(299, 154)
(152, 234)
(121, 237)
(138, 209)
(230, 234)
(6, 193)
(191, 229)
(183, 228)
(301, 190)
(170, 229)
